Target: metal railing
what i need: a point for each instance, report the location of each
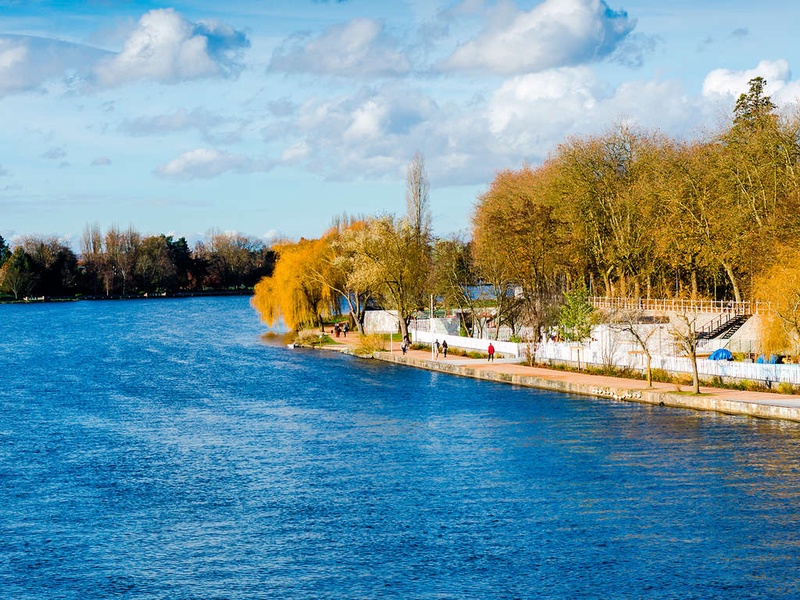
(679, 305)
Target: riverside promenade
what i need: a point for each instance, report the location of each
(509, 370)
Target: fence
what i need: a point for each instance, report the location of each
(605, 351)
(677, 305)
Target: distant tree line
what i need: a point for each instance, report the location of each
(122, 262)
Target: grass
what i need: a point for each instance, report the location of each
(314, 339)
(679, 380)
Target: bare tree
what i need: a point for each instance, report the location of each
(686, 336)
(631, 322)
(417, 197)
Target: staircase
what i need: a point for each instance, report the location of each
(723, 327)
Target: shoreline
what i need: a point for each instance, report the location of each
(762, 405)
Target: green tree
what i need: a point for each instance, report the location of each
(5, 251)
(16, 275)
(576, 316)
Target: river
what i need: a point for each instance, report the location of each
(165, 449)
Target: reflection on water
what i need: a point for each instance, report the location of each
(164, 449)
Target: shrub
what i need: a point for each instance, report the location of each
(369, 344)
(786, 388)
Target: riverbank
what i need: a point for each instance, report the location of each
(734, 402)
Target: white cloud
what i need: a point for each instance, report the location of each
(555, 33)
(359, 48)
(205, 163)
(167, 48)
(213, 127)
(27, 62)
(295, 153)
(730, 84)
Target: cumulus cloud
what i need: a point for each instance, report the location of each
(724, 82)
(205, 163)
(555, 33)
(167, 48)
(359, 48)
(374, 131)
(27, 62)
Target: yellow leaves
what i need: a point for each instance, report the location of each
(296, 291)
(780, 287)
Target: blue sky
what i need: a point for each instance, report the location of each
(269, 118)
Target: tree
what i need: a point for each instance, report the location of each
(391, 260)
(93, 257)
(455, 278)
(576, 316)
(520, 243)
(16, 274)
(231, 258)
(155, 270)
(753, 106)
(686, 336)
(5, 251)
(417, 197)
(53, 264)
(632, 323)
(121, 248)
(780, 288)
(294, 292)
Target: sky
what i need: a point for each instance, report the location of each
(270, 118)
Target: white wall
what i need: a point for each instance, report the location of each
(466, 343)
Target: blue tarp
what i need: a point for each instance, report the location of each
(773, 360)
(721, 354)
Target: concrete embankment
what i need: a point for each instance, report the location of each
(733, 402)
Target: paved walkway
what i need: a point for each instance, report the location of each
(760, 404)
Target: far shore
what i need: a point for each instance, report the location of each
(153, 296)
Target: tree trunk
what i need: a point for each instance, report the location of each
(649, 370)
(732, 278)
(403, 327)
(695, 375)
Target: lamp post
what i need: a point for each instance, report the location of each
(430, 325)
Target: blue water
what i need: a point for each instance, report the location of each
(163, 449)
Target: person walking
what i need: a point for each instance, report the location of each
(405, 344)
(444, 348)
(436, 348)
(491, 352)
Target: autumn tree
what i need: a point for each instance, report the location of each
(294, 293)
(609, 183)
(121, 248)
(391, 260)
(780, 288)
(520, 242)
